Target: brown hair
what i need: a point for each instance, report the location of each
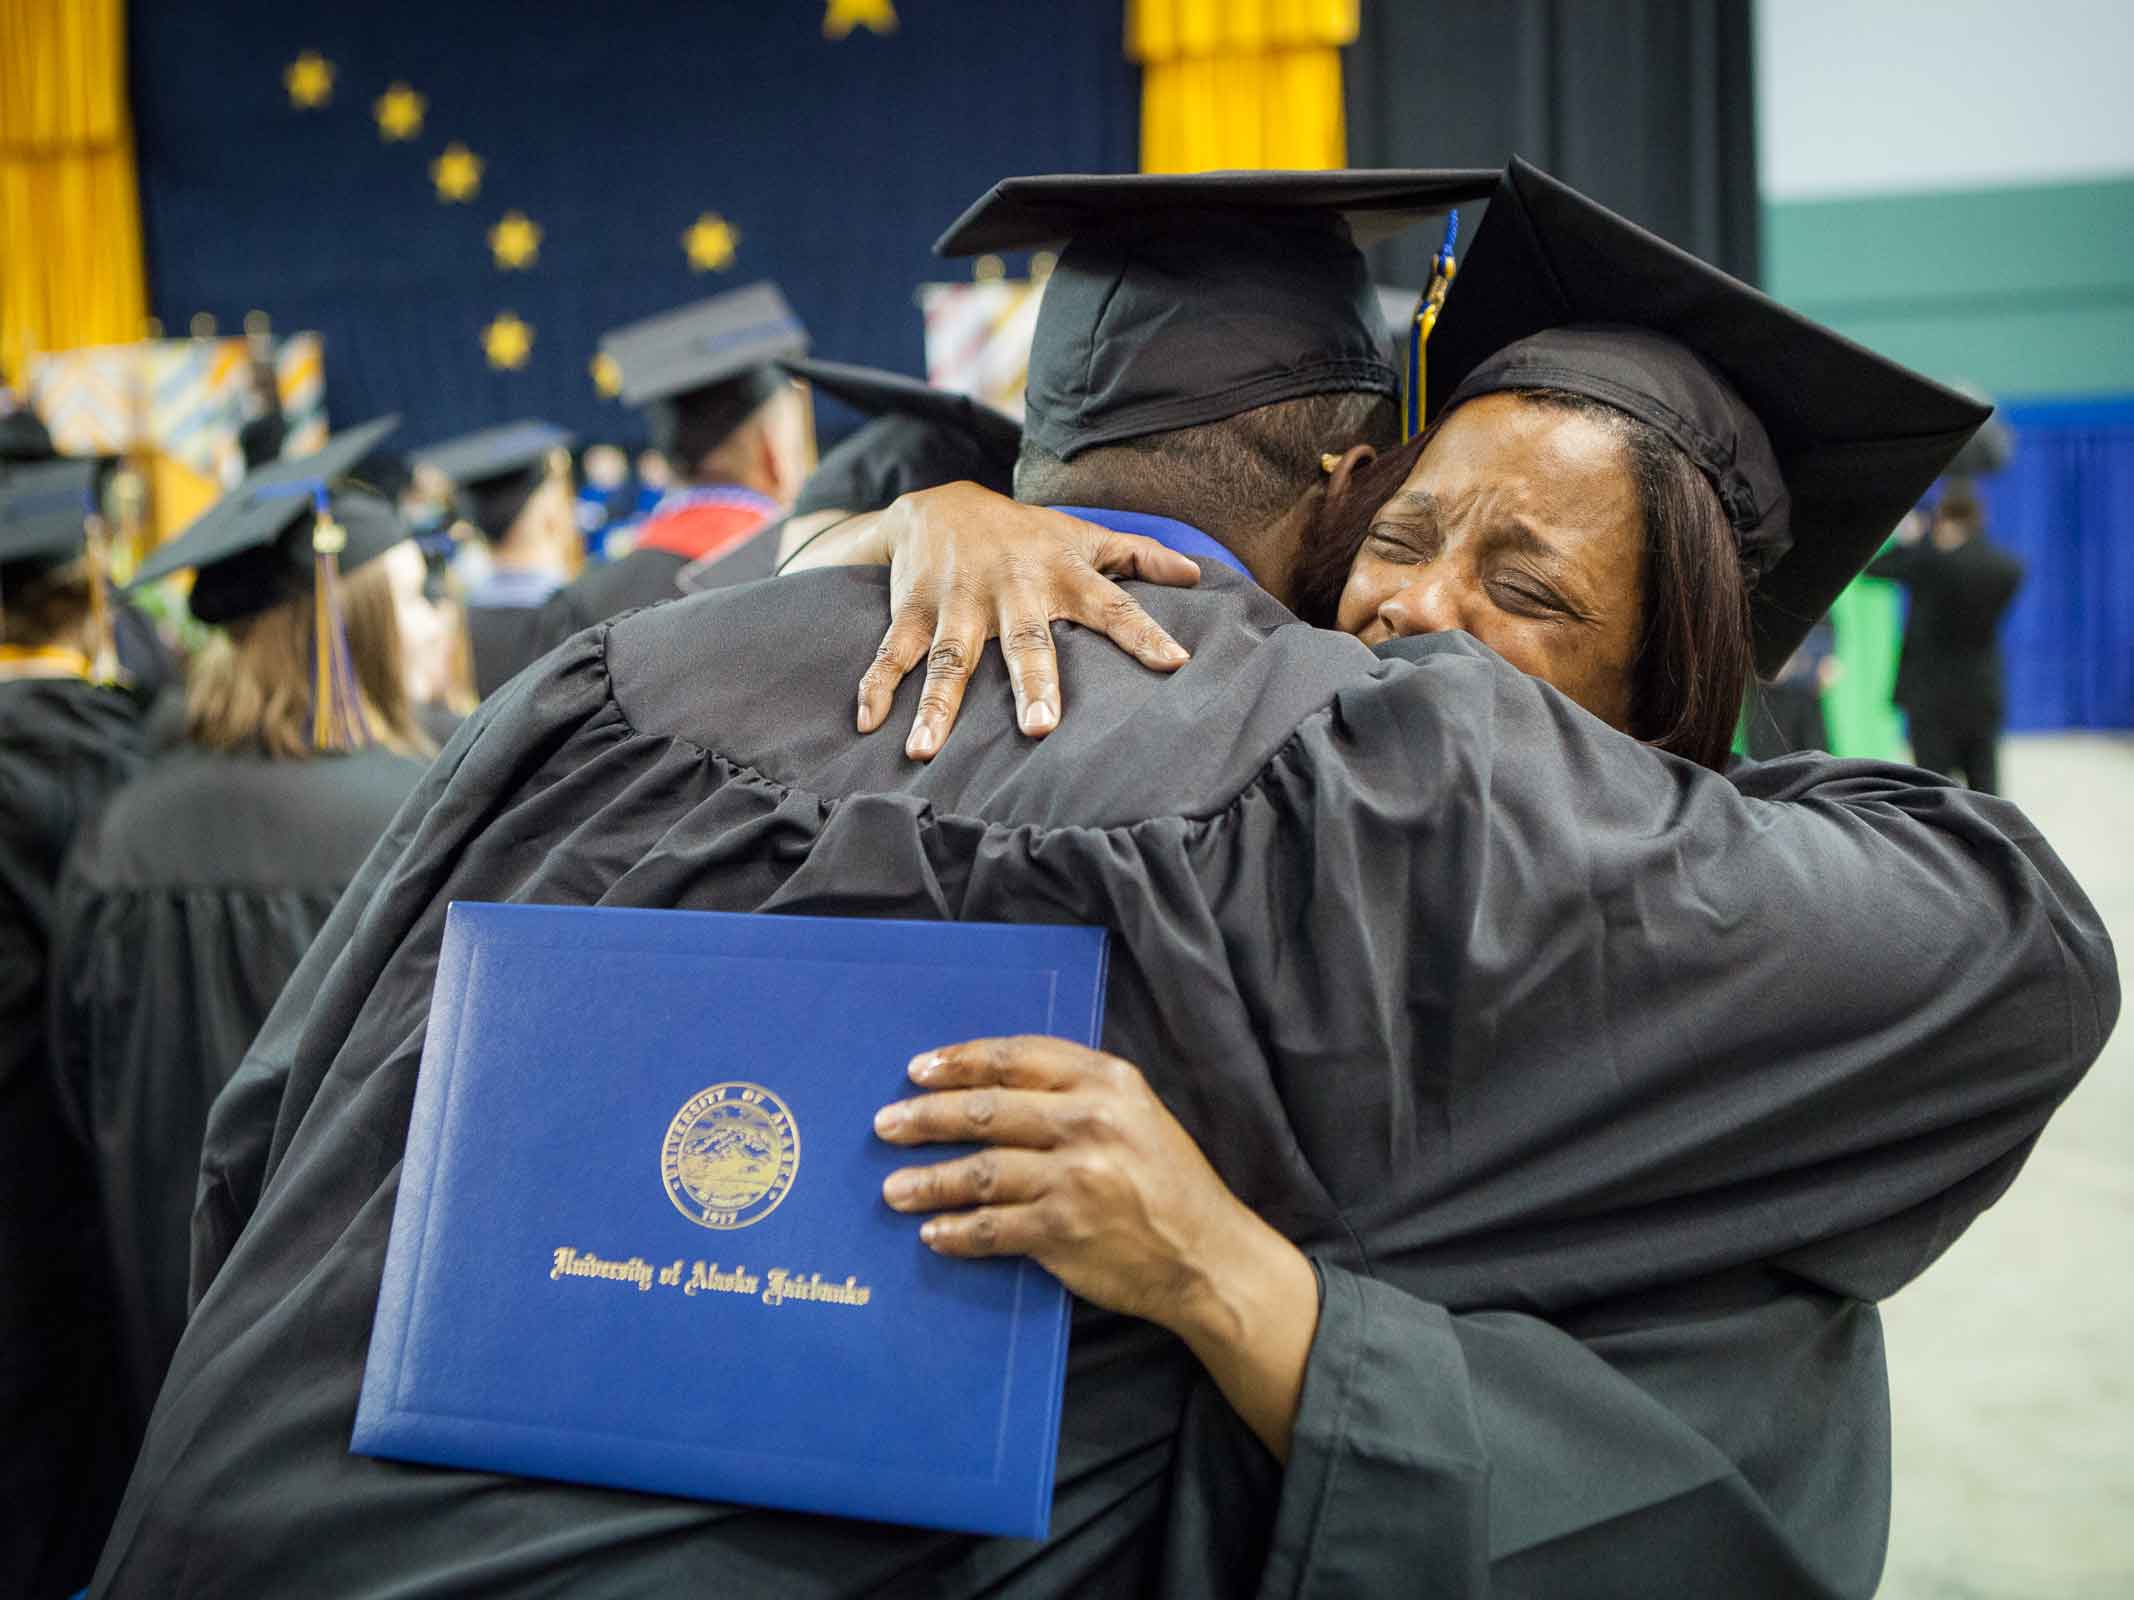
(48, 605)
(251, 686)
(1694, 656)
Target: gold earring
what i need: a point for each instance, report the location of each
(1328, 462)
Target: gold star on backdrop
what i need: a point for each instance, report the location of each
(457, 173)
(607, 375)
(515, 241)
(840, 17)
(710, 242)
(507, 342)
(399, 112)
(309, 80)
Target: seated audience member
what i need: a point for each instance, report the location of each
(67, 741)
(513, 486)
(1584, 1083)
(733, 425)
(185, 905)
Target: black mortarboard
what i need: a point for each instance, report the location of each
(1816, 446)
(920, 436)
(497, 470)
(44, 511)
(1180, 300)
(24, 437)
(701, 370)
(252, 549)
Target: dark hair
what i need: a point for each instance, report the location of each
(39, 606)
(1233, 479)
(1694, 658)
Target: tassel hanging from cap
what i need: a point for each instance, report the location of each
(1414, 388)
(337, 720)
(103, 642)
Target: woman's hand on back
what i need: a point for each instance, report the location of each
(968, 565)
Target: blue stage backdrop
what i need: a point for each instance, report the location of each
(2066, 506)
(570, 167)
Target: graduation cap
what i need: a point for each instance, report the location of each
(292, 527)
(44, 514)
(1815, 446)
(920, 436)
(46, 509)
(1184, 299)
(700, 371)
(497, 470)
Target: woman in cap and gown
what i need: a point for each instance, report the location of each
(186, 904)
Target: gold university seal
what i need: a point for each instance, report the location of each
(730, 1155)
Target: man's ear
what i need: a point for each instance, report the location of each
(1341, 469)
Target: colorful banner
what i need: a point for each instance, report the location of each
(978, 338)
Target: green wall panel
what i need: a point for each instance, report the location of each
(2023, 292)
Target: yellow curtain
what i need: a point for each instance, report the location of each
(70, 220)
(1240, 83)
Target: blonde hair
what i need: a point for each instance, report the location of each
(252, 684)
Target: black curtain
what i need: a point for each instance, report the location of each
(1647, 105)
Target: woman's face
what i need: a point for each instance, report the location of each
(425, 645)
(1519, 524)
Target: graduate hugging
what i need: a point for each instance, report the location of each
(1511, 1109)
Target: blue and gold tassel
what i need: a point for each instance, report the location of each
(1414, 386)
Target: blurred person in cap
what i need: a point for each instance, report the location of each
(1951, 680)
(145, 665)
(433, 636)
(187, 902)
(731, 424)
(68, 738)
(513, 485)
(916, 437)
(1523, 1112)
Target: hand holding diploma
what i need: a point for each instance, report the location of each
(1088, 1174)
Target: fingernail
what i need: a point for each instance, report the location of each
(930, 1229)
(889, 1119)
(899, 1187)
(1039, 717)
(1175, 653)
(926, 1068)
(922, 741)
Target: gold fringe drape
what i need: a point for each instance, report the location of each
(70, 217)
(1240, 83)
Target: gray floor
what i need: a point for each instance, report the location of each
(2009, 1374)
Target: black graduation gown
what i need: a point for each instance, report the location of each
(503, 641)
(64, 746)
(1603, 1091)
(182, 911)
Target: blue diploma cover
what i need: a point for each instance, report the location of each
(640, 1239)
